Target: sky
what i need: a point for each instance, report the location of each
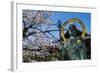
(64, 16)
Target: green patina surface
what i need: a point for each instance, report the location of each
(74, 48)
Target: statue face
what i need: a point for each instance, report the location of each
(72, 30)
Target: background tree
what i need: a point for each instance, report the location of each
(36, 42)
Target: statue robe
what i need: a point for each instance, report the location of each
(74, 49)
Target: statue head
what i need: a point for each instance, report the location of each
(72, 30)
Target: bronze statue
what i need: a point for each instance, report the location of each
(74, 47)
